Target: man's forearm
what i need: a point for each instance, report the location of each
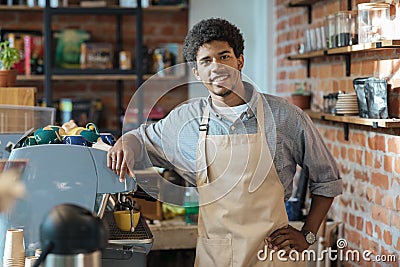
(319, 208)
(130, 140)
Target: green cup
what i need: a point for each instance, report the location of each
(29, 141)
(43, 136)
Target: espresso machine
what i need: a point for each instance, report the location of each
(59, 173)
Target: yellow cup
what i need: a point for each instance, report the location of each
(123, 219)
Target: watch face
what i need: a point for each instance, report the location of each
(310, 238)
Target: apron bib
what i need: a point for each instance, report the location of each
(241, 199)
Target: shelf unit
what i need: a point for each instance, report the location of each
(41, 9)
(375, 123)
(93, 77)
(115, 74)
(53, 74)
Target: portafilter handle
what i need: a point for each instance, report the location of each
(102, 206)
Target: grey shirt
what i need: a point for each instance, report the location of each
(292, 138)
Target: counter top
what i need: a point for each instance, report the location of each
(173, 234)
(176, 234)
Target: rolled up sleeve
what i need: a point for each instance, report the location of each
(318, 163)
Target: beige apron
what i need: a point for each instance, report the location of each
(241, 198)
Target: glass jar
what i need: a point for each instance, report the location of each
(330, 31)
(346, 28)
(373, 22)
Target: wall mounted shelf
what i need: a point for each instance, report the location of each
(346, 51)
(312, 54)
(147, 9)
(375, 123)
(303, 2)
(98, 77)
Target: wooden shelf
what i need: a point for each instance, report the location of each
(382, 45)
(172, 8)
(382, 123)
(312, 54)
(19, 8)
(386, 44)
(40, 78)
(303, 2)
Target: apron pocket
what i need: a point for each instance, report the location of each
(214, 252)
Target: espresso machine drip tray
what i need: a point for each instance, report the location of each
(141, 235)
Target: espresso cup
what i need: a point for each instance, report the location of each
(29, 141)
(123, 219)
(47, 136)
(108, 138)
(78, 140)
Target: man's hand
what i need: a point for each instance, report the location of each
(287, 237)
(119, 156)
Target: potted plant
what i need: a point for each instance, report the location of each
(8, 57)
(302, 96)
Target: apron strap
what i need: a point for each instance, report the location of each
(265, 165)
(201, 160)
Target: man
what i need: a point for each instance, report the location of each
(240, 148)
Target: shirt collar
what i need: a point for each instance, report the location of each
(252, 103)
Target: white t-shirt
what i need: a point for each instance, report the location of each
(231, 113)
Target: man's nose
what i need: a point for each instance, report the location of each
(216, 63)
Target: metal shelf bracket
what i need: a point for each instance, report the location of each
(309, 10)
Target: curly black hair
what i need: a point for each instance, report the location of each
(213, 29)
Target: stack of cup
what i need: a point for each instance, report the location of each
(14, 249)
(30, 261)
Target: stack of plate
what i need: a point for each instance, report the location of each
(347, 104)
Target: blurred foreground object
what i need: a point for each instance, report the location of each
(10, 188)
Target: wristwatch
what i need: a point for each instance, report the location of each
(309, 237)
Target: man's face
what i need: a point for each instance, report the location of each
(218, 67)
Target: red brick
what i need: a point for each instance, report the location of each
(335, 152)
(359, 223)
(380, 214)
(351, 155)
(361, 175)
(380, 180)
(388, 163)
(359, 156)
(353, 237)
(378, 197)
(368, 67)
(377, 161)
(352, 220)
(387, 237)
(395, 221)
(394, 145)
(368, 156)
(377, 143)
(343, 152)
(378, 232)
(370, 245)
(368, 228)
(397, 165)
(370, 194)
(398, 203)
(398, 244)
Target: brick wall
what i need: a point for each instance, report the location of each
(158, 27)
(370, 160)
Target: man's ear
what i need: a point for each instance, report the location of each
(196, 73)
(240, 62)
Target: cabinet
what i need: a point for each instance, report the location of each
(118, 82)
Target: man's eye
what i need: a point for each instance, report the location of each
(225, 57)
(205, 62)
